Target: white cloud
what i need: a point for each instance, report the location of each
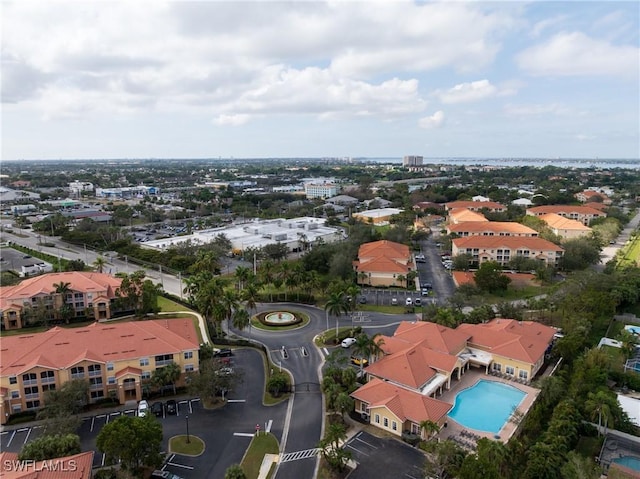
(434, 121)
(543, 25)
(583, 137)
(468, 92)
(568, 54)
(232, 120)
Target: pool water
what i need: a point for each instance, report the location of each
(486, 406)
(628, 461)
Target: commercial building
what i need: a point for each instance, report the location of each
(378, 217)
(296, 233)
(86, 294)
(321, 190)
(116, 360)
(504, 248)
(412, 160)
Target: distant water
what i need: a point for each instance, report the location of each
(537, 162)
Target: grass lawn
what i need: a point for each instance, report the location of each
(167, 306)
(260, 445)
(630, 253)
(255, 323)
(179, 445)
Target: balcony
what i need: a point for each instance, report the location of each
(163, 362)
(32, 396)
(94, 387)
(95, 374)
(48, 380)
(77, 376)
(30, 382)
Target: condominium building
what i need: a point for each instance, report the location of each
(412, 160)
(584, 214)
(383, 263)
(321, 190)
(57, 297)
(492, 206)
(565, 227)
(490, 228)
(504, 248)
(116, 360)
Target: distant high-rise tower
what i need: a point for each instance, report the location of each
(412, 161)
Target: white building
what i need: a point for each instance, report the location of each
(296, 233)
(77, 187)
(412, 160)
(321, 190)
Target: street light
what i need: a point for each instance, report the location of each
(187, 419)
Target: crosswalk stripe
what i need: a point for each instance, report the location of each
(297, 455)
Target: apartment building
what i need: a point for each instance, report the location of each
(463, 215)
(504, 248)
(57, 297)
(564, 227)
(491, 228)
(492, 206)
(383, 263)
(321, 190)
(584, 214)
(116, 359)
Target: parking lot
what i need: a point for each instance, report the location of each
(226, 431)
(384, 458)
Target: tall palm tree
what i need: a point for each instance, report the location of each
(267, 273)
(241, 318)
(99, 264)
(335, 306)
(230, 302)
(285, 274)
(366, 347)
(242, 274)
(600, 405)
(62, 289)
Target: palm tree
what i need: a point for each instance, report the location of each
(99, 264)
(285, 275)
(267, 274)
(242, 274)
(241, 318)
(62, 289)
(401, 278)
(365, 347)
(336, 305)
(429, 428)
(600, 405)
(230, 302)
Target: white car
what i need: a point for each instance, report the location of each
(420, 258)
(143, 408)
(348, 342)
(408, 302)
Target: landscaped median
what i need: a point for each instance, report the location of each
(186, 445)
(261, 444)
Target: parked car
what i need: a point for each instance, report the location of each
(358, 361)
(417, 302)
(394, 301)
(348, 342)
(172, 407)
(143, 408)
(157, 408)
(420, 258)
(222, 353)
(158, 474)
(224, 372)
(408, 302)
(362, 300)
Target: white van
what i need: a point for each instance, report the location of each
(408, 302)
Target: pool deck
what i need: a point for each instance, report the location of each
(467, 436)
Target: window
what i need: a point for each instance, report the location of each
(386, 422)
(47, 377)
(33, 404)
(111, 380)
(144, 361)
(188, 368)
(188, 354)
(48, 387)
(97, 394)
(13, 380)
(15, 394)
(497, 367)
(95, 370)
(510, 370)
(31, 392)
(77, 372)
(109, 366)
(163, 359)
(29, 379)
(523, 374)
(16, 408)
(95, 383)
(394, 425)
(146, 375)
(377, 418)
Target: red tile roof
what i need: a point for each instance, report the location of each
(79, 281)
(405, 405)
(508, 242)
(98, 342)
(558, 222)
(566, 209)
(386, 248)
(495, 227)
(383, 257)
(463, 215)
(524, 341)
(435, 336)
(77, 466)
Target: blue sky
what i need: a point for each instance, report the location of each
(211, 79)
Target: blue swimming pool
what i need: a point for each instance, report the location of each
(628, 461)
(486, 406)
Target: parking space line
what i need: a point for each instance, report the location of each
(11, 438)
(244, 434)
(269, 424)
(27, 438)
(104, 455)
(365, 442)
(236, 400)
(325, 351)
(357, 450)
(93, 420)
(168, 461)
(179, 465)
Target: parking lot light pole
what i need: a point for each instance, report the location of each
(187, 419)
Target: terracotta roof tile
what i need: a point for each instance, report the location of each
(77, 466)
(492, 205)
(463, 215)
(558, 209)
(508, 242)
(404, 404)
(108, 342)
(558, 222)
(495, 227)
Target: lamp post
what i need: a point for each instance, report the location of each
(187, 419)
